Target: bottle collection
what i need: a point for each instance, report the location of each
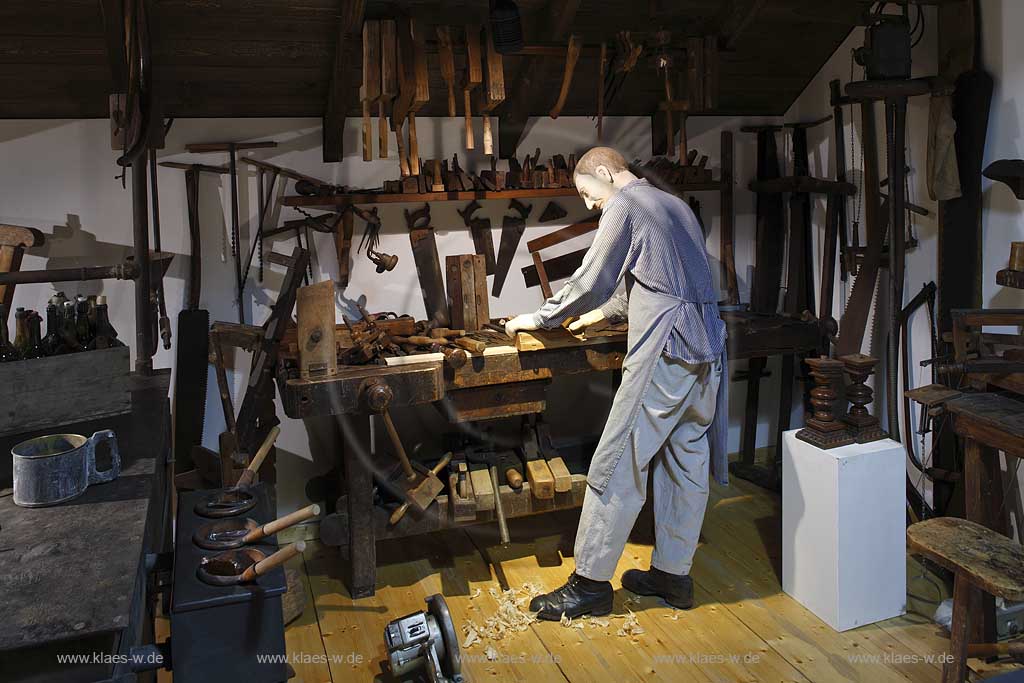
(71, 326)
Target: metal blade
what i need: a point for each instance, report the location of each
(512, 229)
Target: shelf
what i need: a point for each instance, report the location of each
(414, 197)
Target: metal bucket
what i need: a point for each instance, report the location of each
(58, 467)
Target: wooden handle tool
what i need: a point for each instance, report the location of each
(499, 509)
(447, 58)
(249, 475)
(572, 55)
(474, 77)
(414, 148)
(400, 511)
(396, 443)
(388, 80)
(369, 91)
(282, 523)
(275, 560)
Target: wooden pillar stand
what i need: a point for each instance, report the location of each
(863, 426)
(823, 429)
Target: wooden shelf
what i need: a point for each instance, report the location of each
(396, 198)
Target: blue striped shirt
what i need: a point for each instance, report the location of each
(647, 238)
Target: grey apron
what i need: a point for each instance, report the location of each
(652, 317)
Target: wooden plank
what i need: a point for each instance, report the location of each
(482, 298)
(467, 276)
(561, 235)
(456, 307)
(491, 402)
(314, 307)
(542, 482)
(44, 392)
(563, 479)
(559, 338)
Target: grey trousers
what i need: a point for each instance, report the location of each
(669, 441)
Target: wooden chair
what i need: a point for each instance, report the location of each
(980, 559)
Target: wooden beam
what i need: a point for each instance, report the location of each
(342, 91)
(113, 37)
(557, 16)
(735, 18)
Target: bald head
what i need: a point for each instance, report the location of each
(600, 156)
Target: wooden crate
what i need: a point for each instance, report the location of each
(468, 302)
(45, 392)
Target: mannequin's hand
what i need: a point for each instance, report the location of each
(520, 323)
(586, 320)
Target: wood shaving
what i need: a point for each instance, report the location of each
(631, 626)
(491, 653)
(510, 617)
(476, 594)
(472, 637)
(595, 622)
(674, 616)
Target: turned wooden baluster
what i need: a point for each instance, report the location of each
(823, 429)
(862, 424)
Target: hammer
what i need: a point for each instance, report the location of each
(14, 239)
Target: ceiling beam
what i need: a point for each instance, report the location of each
(341, 92)
(735, 18)
(113, 41)
(557, 16)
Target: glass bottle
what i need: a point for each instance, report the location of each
(106, 335)
(83, 330)
(34, 348)
(53, 342)
(7, 351)
(67, 330)
(21, 331)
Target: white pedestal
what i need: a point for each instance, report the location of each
(843, 532)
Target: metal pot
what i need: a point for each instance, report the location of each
(58, 467)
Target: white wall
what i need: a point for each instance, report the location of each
(59, 177)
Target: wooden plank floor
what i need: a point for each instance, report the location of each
(742, 629)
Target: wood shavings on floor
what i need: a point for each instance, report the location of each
(510, 617)
(631, 627)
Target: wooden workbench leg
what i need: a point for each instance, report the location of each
(964, 599)
(748, 438)
(979, 487)
(785, 401)
(362, 549)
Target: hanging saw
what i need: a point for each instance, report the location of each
(480, 229)
(512, 229)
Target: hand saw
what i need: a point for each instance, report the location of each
(512, 229)
(480, 229)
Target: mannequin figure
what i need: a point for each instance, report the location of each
(668, 417)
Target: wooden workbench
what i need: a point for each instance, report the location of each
(499, 382)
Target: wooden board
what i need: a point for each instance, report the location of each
(538, 340)
(482, 489)
(491, 402)
(39, 393)
(314, 307)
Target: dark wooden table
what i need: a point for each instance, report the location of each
(73, 575)
(500, 382)
(988, 423)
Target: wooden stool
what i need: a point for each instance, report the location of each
(981, 559)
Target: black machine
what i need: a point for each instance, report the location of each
(887, 45)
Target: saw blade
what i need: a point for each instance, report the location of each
(512, 229)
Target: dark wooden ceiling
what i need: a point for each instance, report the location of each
(275, 57)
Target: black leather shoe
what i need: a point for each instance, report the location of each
(577, 597)
(675, 589)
